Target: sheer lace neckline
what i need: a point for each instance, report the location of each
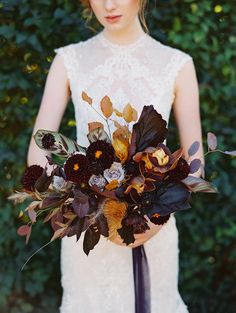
(122, 47)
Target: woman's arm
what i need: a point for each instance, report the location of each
(187, 111)
(54, 101)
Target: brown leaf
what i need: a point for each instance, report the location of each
(122, 133)
(106, 106)
(94, 125)
(86, 98)
(51, 214)
(58, 233)
(19, 196)
(33, 205)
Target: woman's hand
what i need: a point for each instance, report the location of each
(139, 238)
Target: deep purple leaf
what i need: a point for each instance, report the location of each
(91, 238)
(80, 203)
(43, 182)
(195, 165)
(169, 199)
(148, 131)
(51, 201)
(75, 228)
(102, 225)
(211, 141)
(58, 217)
(193, 148)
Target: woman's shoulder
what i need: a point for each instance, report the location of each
(72, 47)
(168, 51)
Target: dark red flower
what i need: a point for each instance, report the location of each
(30, 176)
(159, 220)
(180, 172)
(136, 221)
(77, 168)
(101, 155)
(48, 141)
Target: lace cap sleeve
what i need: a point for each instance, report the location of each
(179, 59)
(68, 54)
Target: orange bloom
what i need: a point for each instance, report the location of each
(114, 211)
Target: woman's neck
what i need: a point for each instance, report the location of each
(124, 36)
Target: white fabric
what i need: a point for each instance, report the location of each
(140, 73)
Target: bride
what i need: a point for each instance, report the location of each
(124, 62)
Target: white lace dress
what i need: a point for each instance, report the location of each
(140, 73)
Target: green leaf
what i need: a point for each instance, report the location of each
(63, 146)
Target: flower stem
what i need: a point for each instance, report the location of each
(34, 254)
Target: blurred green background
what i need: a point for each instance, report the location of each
(29, 31)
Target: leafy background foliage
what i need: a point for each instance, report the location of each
(28, 34)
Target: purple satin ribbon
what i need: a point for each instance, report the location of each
(142, 287)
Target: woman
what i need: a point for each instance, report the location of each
(127, 64)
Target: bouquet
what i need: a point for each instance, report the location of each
(116, 184)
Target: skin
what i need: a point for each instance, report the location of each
(185, 106)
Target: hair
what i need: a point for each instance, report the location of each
(88, 14)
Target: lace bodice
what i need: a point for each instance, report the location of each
(140, 73)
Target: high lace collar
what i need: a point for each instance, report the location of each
(122, 47)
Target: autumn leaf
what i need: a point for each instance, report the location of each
(118, 113)
(128, 113)
(94, 125)
(106, 106)
(86, 98)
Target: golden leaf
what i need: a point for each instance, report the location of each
(113, 184)
(106, 106)
(94, 125)
(121, 148)
(86, 98)
(114, 211)
(128, 113)
(118, 113)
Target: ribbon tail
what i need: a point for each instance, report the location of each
(142, 287)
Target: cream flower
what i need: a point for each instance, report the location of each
(115, 172)
(97, 180)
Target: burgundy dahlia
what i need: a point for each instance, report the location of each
(159, 220)
(101, 155)
(77, 168)
(137, 222)
(30, 176)
(48, 141)
(180, 172)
